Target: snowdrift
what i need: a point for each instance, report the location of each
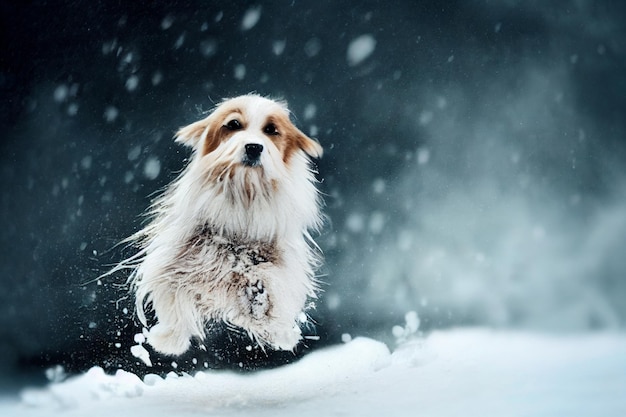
(451, 373)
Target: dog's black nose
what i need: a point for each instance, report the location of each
(253, 151)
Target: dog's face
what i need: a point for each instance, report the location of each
(246, 133)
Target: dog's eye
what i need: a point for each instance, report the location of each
(270, 129)
(233, 125)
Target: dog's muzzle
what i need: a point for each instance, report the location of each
(252, 156)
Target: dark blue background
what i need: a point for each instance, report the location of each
(473, 167)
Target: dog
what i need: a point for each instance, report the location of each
(230, 238)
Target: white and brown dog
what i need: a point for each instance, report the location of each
(229, 239)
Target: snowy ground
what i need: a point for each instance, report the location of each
(464, 372)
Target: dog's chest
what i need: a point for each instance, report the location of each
(232, 253)
(243, 255)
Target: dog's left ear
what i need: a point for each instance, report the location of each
(308, 145)
(191, 135)
(312, 147)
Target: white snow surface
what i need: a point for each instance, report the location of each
(463, 372)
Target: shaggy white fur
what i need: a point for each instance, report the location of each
(229, 239)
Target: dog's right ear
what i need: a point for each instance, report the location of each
(192, 134)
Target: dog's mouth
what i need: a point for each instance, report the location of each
(251, 163)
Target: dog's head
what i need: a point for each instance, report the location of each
(250, 168)
(248, 132)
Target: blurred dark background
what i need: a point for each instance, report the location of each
(474, 165)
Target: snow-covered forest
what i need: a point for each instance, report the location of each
(474, 178)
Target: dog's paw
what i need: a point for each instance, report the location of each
(168, 340)
(286, 339)
(256, 300)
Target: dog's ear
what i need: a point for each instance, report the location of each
(299, 140)
(192, 134)
(310, 146)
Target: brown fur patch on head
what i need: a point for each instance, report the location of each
(211, 130)
(218, 132)
(207, 134)
(289, 138)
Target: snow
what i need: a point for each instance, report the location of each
(85, 163)
(152, 168)
(132, 83)
(423, 156)
(312, 47)
(61, 93)
(426, 117)
(110, 113)
(310, 111)
(167, 22)
(377, 222)
(141, 353)
(278, 47)
(180, 41)
(239, 72)
(208, 47)
(251, 18)
(379, 185)
(72, 109)
(355, 222)
(134, 152)
(448, 373)
(157, 77)
(360, 48)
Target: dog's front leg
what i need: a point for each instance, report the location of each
(172, 334)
